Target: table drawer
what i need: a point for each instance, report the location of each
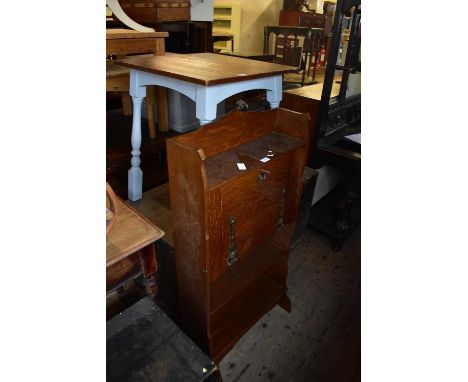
(122, 271)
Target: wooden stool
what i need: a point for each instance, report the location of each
(130, 251)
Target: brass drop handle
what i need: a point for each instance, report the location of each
(280, 224)
(232, 257)
(262, 175)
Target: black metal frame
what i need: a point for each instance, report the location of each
(343, 112)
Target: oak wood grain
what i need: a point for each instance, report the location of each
(205, 68)
(118, 33)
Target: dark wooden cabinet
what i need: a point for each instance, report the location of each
(232, 228)
(304, 19)
(154, 11)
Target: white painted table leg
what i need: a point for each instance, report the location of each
(135, 175)
(275, 95)
(206, 104)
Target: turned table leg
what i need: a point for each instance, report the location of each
(149, 267)
(135, 175)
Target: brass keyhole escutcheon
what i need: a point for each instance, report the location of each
(262, 175)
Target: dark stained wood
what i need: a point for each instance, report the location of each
(122, 271)
(205, 68)
(303, 19)
(154, 11)
(219, 302)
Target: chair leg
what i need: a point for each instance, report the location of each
(150, 111)
(126, 103)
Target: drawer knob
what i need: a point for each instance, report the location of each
(232, 257)
(262, 175)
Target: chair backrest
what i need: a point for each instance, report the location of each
(287, 49)
(291, 44)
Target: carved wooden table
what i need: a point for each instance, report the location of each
(130, 250)
(206, 78)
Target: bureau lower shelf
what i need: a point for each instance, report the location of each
(250, 305)
(261, 258)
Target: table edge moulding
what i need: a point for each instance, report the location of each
(231, 257)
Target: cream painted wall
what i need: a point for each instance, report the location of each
(255, 15)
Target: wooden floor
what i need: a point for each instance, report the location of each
(319, 341)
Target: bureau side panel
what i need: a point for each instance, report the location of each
(187, 188)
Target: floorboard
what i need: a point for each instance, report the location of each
(320, 339)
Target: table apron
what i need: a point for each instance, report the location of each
(200, 93)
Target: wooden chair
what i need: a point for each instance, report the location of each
(294, 46)
(122, 42)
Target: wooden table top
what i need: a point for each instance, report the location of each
(130, 233)
(112, 34)
(314, 91)
(205, 68)
(221, 34)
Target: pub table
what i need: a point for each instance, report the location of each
(206, 78)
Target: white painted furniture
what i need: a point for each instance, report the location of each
(205, 78)
(117, 10)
